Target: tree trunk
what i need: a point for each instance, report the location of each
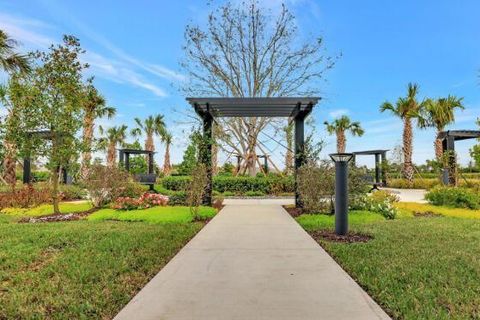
(289, 153)
(9, 165)
(408, 149)
(55, 198)
(214, 158)
(87, 140)
(149, 145)
(111, 155)
(166, 162)
(341, 141)
(438, 146)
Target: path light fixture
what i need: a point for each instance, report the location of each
(341, 191)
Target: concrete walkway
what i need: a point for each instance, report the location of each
(252, 262)
(409, 195)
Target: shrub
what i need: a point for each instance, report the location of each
(417, 183)
(379, 202)
(106, 184)
(454, 197)
(316, 187)
(146, 200)
(26, 197)
(72, 192)
(228, 194)
(254, 193)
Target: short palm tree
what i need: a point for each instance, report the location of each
(151, 126)
(11, 61)
(339, 127)
(94, 107)
(167, 167)
(439, 113)
(406, 108)
(111, 138)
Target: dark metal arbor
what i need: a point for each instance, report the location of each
(27, 161)
(380, 158)
(448, 146)
(147, 179)
(294, 108)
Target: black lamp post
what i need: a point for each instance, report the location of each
(341, 191)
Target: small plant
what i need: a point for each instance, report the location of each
(196, 190)
(455, 197)
(147, 200)
(26, 197)
(379, 202)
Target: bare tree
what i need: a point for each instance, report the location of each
(246, 50)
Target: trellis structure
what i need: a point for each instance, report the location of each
(294, 108)
(380, 158)
(448, 146)
(148, 178)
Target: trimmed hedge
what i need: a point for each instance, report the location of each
(272, 184)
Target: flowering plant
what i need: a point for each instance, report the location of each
(146, 200)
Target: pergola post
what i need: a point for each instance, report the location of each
(127, 162)
(206, 156)
(27, 176)
(150, 168)
(384, 174)
(299, 152)
(377, 168)
(121, 154)
(449, 172)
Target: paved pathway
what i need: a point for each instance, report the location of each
(409, 195)
(252, 262)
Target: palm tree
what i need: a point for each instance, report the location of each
(406, 108)
(111, 138)
(167, 167)
(339, 127)
(439, 113)
(94, 107)
(151, 126)
(11, 61)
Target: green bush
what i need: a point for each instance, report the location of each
(379, 202)
(228, 194)
(175, 198)
(272, 184)
(72, 192)
(254, 193)
(455, 197)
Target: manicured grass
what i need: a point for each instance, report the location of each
(415, 268)
(46, 209)
(81, 269)
(408, 208)
(152, 215)
(322, 221)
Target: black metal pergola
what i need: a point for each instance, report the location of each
(380, 157)
(148, 178)
(448, 145)
(294, 108)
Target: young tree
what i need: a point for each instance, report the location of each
(112, 137)
(54, 92)
(94, 107)
(167, 167)
(406, 108)
(247, 51)
(340, 126)
(439, 113)
(475, 151)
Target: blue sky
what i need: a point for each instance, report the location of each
(134, 49)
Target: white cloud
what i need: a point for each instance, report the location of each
(20, 29)
(338, 113)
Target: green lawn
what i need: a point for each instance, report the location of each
(152, 215)
(415, 268)
(86, 269)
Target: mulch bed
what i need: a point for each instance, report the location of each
(58, 217)
(294, 212)
(351, 237)
(427, 214)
